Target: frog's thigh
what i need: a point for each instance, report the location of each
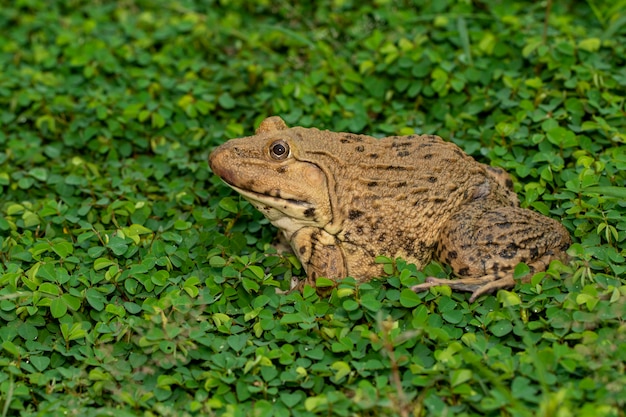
(484, 246)
(319, 253)
(480, 242)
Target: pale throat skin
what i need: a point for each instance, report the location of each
(342, 199)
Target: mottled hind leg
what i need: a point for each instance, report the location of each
(483, 246)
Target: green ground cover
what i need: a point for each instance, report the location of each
(134, 282)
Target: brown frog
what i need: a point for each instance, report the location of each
(342, 199)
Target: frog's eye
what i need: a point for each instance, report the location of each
(279, 150)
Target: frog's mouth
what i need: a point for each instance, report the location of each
(289, 206)
(287, 214)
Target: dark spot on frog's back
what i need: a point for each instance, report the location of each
(354, 214)
(395, 168)
(360, 148)
(349, 138)
(432, 179)
(353, 137)
(463, 272)
(397, 144)
(403, 153)
(428, 156)
(281, 169)
(310, 212)
(373, 155)
(508, 252)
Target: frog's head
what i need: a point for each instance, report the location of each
(272, 171)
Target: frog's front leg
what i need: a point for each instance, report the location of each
(483, 246)
(319, 253)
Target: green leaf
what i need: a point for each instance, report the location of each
(454, 316)
(291, 399)
(40, 363)
(562, 137)
(292, 318)
(226, 101)
(315, 403)
(49, 272)
(58, 307)
(160, 277)
(62, 248)
(409, 299)
(115, 310)
(102, 263)
(134, 231)
(217, 262)
(73, 331)
(73, 303)
(341, 369)
(590, 44)
(49, 288)
(322, 282)
(459, 376)
(509, 298)
(157, 120)
(40, 174)
(11, 348)
(370, 302)
(250, 285)
(117, 245)
(609, 191)
(95, 299)
(350, 305)
(501, 328)
(521, 270)
(229, 205)
(237, 342)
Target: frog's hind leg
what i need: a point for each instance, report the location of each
(483, 246)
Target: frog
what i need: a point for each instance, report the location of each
(342, 199)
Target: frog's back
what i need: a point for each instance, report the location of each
(393, 194)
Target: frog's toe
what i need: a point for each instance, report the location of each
(431, 282)
(504, 282)
(477, 286)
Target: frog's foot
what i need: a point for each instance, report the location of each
(294, 283)
(478, 286)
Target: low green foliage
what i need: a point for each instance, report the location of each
(133, 282)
